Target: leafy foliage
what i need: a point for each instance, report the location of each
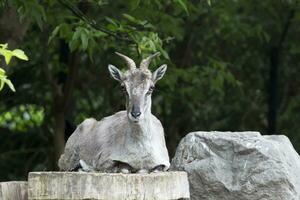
(8, 54)
(22, 118)
(218, 55)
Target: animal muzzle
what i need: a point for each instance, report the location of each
(135, 112)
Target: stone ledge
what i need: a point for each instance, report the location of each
(13, 190)
(96, 186)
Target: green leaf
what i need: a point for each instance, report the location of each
(112, 21)
(165, 54)
(19, 54)
(2, 72)
(130, 18)
(77, 34)
(84, 40)
(65, 31)
(10, 85)
(7, 55)
(37, 12)
(4, 46)
(133, 4)
(1, 84)
(3, 80)
(53, 34)
(73, 44)
(182, 3)
(98, 33)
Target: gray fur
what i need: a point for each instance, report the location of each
(121, 142)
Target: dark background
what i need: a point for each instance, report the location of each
(233, 65)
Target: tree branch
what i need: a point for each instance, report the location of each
(77, 12)
(286, 28)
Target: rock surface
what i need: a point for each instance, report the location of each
(78, 185)
(239, 166)
(14, 190)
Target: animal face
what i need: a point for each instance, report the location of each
(137, 84)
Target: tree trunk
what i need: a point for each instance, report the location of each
(275, 55)
(273, 84)
(59, 135)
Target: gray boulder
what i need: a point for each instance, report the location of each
(239, 166)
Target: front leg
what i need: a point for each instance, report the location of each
(85, 167)
(159, 168)
(143, 171)
(123, 168)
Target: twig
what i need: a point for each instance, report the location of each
(92, 23)
(286, 28)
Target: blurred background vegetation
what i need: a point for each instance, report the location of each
(233, 66)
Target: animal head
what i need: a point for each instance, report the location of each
(137, 84)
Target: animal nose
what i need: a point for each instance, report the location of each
(135, 114)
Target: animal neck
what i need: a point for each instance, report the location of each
(143, 127)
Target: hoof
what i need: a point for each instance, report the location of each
(143, 171)
(123, 168)
(85, 167)
(125, 171)
(159, 168)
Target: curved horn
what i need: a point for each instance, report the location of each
(130, 63)
(145, 62)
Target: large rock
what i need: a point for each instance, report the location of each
(13, 190)
(239, 166)
(96, 186)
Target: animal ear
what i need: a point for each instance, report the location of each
(159, 73)
(115, 72)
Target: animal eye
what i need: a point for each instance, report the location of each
(123, 88)
(150, 89)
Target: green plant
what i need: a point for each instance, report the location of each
(8, 54)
